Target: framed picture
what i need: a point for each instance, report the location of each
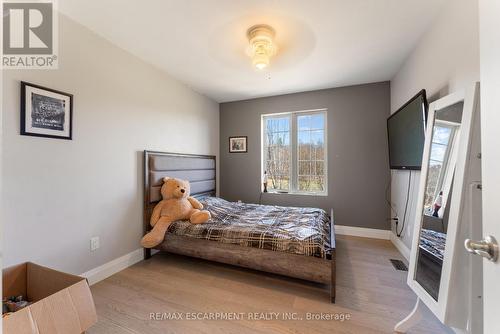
(46, 112)
(238, 144)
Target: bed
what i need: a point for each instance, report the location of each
(433, 243)
(289, 241)
(430, 260)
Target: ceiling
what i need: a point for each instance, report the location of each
(322, 43)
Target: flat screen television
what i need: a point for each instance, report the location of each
(406, 131)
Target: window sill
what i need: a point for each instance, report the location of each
(296, 193)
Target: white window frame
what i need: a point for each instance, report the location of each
(445, 177)
(446, 159)
(293, 176)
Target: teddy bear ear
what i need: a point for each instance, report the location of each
(165, 179)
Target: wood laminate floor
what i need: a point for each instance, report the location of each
(369, 290)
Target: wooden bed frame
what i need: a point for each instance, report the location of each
(201, 172)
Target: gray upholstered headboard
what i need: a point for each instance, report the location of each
(199, 170)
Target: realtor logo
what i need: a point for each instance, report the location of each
(29, 35)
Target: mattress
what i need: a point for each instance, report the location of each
(303, 231)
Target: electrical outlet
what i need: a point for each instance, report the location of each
(94, 244)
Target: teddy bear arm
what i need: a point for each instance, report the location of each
(155, 216)
(199, 216)
(195, 203)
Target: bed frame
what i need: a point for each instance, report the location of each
(200, 170)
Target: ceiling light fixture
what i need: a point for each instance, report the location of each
(262, 46)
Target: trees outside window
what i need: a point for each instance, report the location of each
(294, 152)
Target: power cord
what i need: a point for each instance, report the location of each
(388, 199)
(406, 208)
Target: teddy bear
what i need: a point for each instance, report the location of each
(175, 205)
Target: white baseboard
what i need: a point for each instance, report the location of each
(401, 247)
(112, 267)
(363, 232)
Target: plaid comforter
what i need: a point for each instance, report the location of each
(433, 242)
(304, 231)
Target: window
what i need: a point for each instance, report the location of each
(294, 152)
(441, 145)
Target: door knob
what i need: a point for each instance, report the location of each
(487, 248)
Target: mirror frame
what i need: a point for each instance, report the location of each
(441, 307)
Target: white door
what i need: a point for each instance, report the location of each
(489, 18)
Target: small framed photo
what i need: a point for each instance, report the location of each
(46, 112)
(238, 144)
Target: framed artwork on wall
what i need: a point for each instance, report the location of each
(238, 144)
(46, 112)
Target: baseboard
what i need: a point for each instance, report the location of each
(362, 232)
(401, 247)
(112, 267)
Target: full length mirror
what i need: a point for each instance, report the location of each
(438, 190)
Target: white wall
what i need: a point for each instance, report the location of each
(58, 193)
(445, 60)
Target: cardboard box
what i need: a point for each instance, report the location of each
(62, 303)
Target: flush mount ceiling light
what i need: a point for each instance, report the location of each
(262, 46)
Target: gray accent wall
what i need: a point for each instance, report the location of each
(358, 168)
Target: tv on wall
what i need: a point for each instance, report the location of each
(406, 131)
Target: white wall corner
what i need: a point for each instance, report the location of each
(401, 247)
(112, 267)
(362, 232)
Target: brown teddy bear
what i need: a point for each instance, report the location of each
(176, 205)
